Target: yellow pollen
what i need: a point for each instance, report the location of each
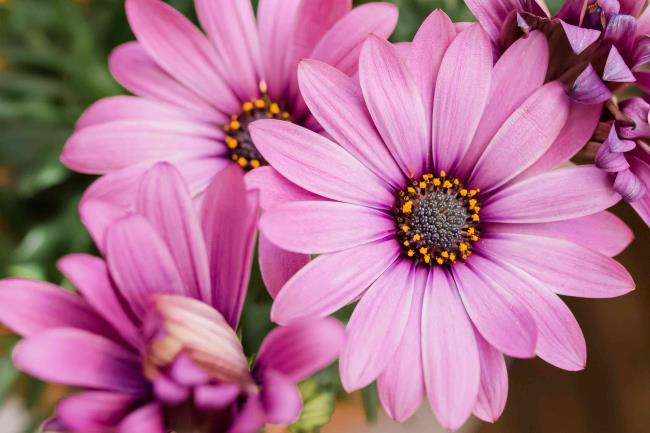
(285, 115)
(406, 228)
(259, 103)
(427, 258)
(463, 247)
(255, 163)
(423, 250)
(410, 189)
(463, 192)
(410, 253)
(406, 243)
(406, 207)
(472, 203)
(456, 182)
(452, 257)
(274, 108)
(234, 125)
(242, 161)
(416, 237)
(475, 218)
(423, 185)
(436, 182)
(440, 260)
(443, 173)
(447, 184)
(470, 231)
(445, 254)
(474, 238)
(231, 142)
(476, 209)
(248, 106)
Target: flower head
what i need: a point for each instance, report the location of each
(151, 338)
(596, 46)
(196, 93)
(438, 204)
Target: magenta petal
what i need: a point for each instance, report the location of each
(90, 276)
(75, 357)
(216, 397)
(148, 419)
(499, 317)
(301, 348)
(573, 271)
(589, 88)
(341, 45)
(425, 56)
(642, 205)
(29, 307)
(377, 326)
(180, 49)
(332, 281)
(492, 14)
(170, 392)
(579, 38)
(493, 392)
(578, 129)
(229, 218)
(616, 69)
(629, 186)
(184, 371)
(518, 72)
(277, 265)
(133, 68)
(314, 227)
(449, 352)
(401, 384)
(457, 106)
(275, 189)
(609, 161)
(164, 200)
(336, 102)
(603, 232)
(94, 412)
(523, 138)
(559, 340)
(280, 397)
(231, 26)
(107, 147)
(395, 104)
(553, 196)
(251, 418)
(140, 263)
(319, 165)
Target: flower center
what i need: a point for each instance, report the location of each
(238, 139)
(437, 220)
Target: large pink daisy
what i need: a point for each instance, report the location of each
(438, 205)
(196, 93)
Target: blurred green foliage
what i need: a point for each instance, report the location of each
(53, 64)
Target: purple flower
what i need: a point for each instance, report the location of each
(438, 204)
(151, 338)
(597, 46)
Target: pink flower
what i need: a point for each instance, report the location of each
(151, 339)
(196, 92)
(438, 204)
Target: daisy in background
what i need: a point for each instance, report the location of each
(196, 93)
(151, 337)
(438, 205)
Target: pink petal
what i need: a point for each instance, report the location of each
(578, 129)
(281, 398)
(229, 218)
(425, 56)
(461, 93)
(642, 205)
(564, 267)
(523, 138)
(277, 21)
(588, 88)
(216, 397)
(74, 357)
(29, 307)
(116, 108)
(616, 69)
(377, 326)
(395, 104)
(140, 263)
(97, 216)
(336, 102)
(579, 38)
(148, 419)
(314, 227)
(231, 26)
(179, 48)
(319, 165)
(493, 14)
(94, 412)
(516, 75)
(274, 189)
(560, 340)
(449, 352)
(134, 68)
(554, 196)
(603, 232)
(277, 265)
(251, 418)
(332, 281)
(106, 147)
(90, 276)
(301, 348)
(401, 384)
(500, 318)
(341, 45)
(629, 186)
(493, 392)
(165, 201)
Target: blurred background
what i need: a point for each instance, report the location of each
(53, 64)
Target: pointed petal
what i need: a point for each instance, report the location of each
(274, 189)
(281, 398)
(493, 392)
(148, 419)
(332, 281)
(616, 69)
(94, 411)
(229, 218)
(277, 265)
(579, 38)
(589, 88)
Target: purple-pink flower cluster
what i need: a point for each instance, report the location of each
(431, 182)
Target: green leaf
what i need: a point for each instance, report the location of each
(318, 408)
(370, 402)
